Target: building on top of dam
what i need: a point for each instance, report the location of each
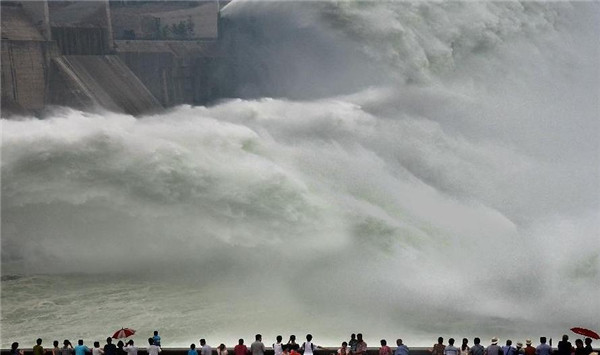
(125, 56)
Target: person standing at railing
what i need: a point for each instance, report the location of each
(81, 349)
(130, 349)
(579, 349)
(222, 350)
(438, 349)
(451, 349)
(257, 348)
(56, 348)
(543, 348)
(292, 345)
(361, 346)
(14, 349)
(38, 349)
(564, 346)
(588, 346)
(156, 338)
(97, 350)
(464, 347)
(508, 348)
(344, 350)
(109, 347)
(384, 349)
(240, 349)
(529, 350)
(67, 348)
(401, 348)
(205, 348)
(308, 347)
(278, 346)
(152, 348)
(352, 343)
(494, 349)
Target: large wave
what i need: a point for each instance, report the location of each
(421, 164)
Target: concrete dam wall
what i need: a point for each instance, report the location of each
(25, 62)
(25, 71)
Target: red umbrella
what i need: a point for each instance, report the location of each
(123, 333)
(586, 332)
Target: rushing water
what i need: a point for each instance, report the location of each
(397, 169)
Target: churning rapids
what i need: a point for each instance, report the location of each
(392, 168)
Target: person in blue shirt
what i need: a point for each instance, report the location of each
(543, 348)
(193, 350)
(401, 349)
(156, 338)
(81, 349)
(477, 349)
(451, 349)
(508, 348)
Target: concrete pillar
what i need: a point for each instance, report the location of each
(110, 39)
(39, 14)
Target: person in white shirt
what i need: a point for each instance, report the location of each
(97, 350)
(153, 349)
(257, 348)
(451, 349)
(308, 346)
(222, 350)
(278, 347)
(206, 349)
(344, 350)
(130, 349)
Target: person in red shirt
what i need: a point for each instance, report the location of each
(384, 350)
(529, 350)
(240, 349)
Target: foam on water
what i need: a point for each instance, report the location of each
(414, 169)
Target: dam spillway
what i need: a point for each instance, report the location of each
(102, 81)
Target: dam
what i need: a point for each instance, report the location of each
(130, 57)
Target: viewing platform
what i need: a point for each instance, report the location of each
(325, 351)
